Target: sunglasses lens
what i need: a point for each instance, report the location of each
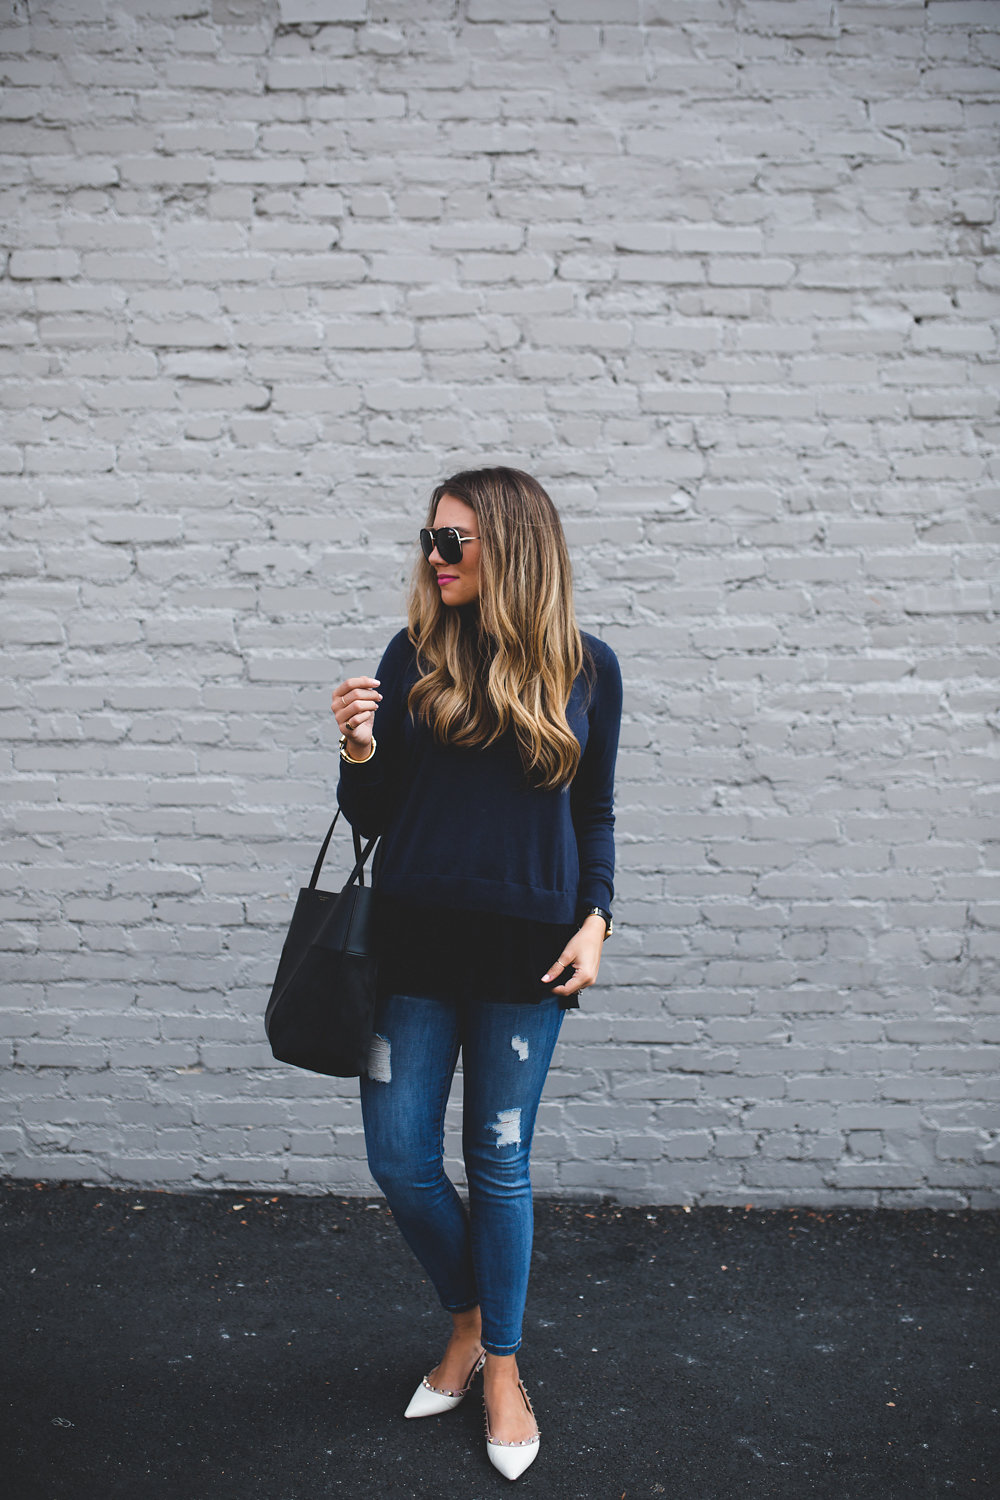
(449, 545)
(445, 539)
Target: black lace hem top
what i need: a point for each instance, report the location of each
(458, 955)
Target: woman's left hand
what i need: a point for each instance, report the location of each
(582, 954)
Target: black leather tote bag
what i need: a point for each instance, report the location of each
(322, 1001)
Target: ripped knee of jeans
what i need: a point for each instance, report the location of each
(507, 1126)
(379, 1061)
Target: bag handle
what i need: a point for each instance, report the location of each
(358, 873)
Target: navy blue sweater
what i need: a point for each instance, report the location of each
(462, 828)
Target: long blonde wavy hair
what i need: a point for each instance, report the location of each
(514, 666)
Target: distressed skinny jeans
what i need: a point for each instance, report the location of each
(480, 1256)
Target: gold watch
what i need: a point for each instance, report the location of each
(599, 911)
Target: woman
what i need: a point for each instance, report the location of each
(484, 754)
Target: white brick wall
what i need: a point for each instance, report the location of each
(723, 275)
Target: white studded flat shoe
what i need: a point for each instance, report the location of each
(511, 1458)
(429, 1401)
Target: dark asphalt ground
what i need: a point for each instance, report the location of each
(236, 1346)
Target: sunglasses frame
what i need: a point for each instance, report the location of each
(433, 535)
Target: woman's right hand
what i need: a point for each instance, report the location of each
(354, 703)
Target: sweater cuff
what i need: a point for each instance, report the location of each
(596, 893)
(362, 772)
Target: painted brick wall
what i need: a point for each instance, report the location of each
(723, 275)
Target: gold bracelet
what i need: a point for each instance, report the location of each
(344, 755)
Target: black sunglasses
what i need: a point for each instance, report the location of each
(447, 541)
